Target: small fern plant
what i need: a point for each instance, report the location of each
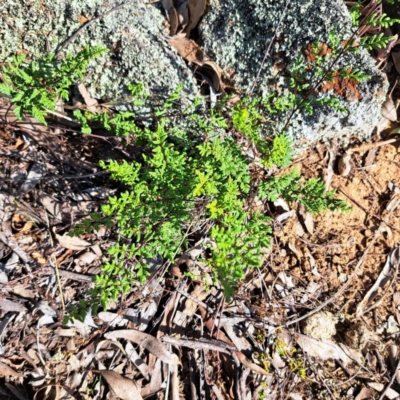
(33, 87)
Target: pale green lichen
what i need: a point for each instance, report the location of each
(133, 34)
(237, 34)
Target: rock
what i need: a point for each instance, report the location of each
(237, 33)
(133, 34)
(320, 326)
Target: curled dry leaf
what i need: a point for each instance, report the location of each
(396, 60)
(344, 166)
(149, 342)
(124, 388)
(328, 171)
(188, 49)
(211, 69)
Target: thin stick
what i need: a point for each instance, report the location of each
(53, 263)
(381, 397)
(199, 345)
(369, 146)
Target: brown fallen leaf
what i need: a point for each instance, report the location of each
(147, 341)
(5, 370)
(196, 11)
(396, 60)
(188, 49)
(307, 218)
(124, 388)
(172, 16)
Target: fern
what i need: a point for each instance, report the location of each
(33, 88)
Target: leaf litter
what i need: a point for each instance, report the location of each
(175, 334)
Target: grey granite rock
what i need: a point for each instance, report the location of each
(237, 34)
(134, 35)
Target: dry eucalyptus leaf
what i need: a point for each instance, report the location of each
(124, 388)
(344, 165)
(5, 370)
(326, 350)
(188, 49)
(72, 243)
(8, 305)
(150, 343)
(137, 361)
(196, 10)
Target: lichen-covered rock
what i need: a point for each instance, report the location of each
(133, 34)
(320, 326)
(237, 34)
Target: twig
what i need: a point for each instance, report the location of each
(53, 263)
(381, 397)
(199, 344)
(369, 146)
(71, 38)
